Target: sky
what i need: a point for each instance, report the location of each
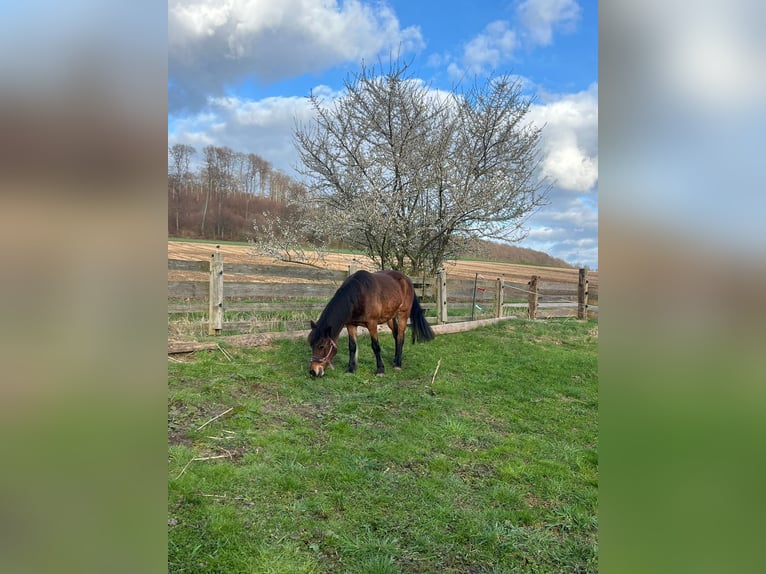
(240, 73)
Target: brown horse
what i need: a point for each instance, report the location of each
(368, 299)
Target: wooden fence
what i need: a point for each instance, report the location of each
(219, 297)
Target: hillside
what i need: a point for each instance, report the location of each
(504, 252)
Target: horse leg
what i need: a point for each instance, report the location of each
(398, 332)
(352, 349)
(373, 328)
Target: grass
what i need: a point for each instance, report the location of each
(195, 323)
(257, 314)
(491, 465)
(260, 320)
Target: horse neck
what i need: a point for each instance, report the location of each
(336, 314)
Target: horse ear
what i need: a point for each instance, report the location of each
(313, 325)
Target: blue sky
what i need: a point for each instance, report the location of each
(240, 72)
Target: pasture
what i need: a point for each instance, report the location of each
(480, 455)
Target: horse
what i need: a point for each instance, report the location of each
(367, 299)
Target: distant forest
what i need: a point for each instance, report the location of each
(220, 194)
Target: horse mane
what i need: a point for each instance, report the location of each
(338, 311)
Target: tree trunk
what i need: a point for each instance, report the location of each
(204, 211)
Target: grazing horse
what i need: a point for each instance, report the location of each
(368, 299)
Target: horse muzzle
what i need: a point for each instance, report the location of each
(316, 370)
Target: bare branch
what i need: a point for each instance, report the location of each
(412, 175)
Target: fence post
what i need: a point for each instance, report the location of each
(499, 297)
(441, 296)
(582, 294)
(216, 293)
(533, 297)
(351, 269)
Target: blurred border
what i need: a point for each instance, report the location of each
(83, 148)
(683, 274)
(83, 138)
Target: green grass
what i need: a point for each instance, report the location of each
(490, 466)
(195, 323)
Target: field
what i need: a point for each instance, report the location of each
(480, 455)
(514, 273)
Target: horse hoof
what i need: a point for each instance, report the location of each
(397, 368)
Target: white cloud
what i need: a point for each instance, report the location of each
(569, 166)
(561, 242)
(545, 234)
(578, 215)
(540, 17)
(565, 215)
(490, 48)
(570, 139)
(263, 127)
(567, 228)
(499, 41)
(213, 43)
(486, 52)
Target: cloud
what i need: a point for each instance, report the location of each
(567, 228)
(579, 214)
(570, 139)
(486, 52)
(540, 17)
(212, 44)
(490, 48)
(565, 215)
(264, 127)
(499, 41)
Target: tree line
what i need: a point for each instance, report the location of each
(219, 193)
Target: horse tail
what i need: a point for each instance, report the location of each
(421, 330)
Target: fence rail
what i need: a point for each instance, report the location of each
(245, 298)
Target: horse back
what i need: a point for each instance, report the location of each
(404, 284)
(382, 295)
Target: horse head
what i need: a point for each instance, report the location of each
(323, 349)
